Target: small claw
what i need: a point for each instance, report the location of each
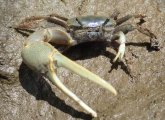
(120, 53)
(121, 50)
(63, 61)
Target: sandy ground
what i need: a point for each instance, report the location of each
(26, 96)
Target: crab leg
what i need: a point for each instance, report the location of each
(154, 43)
(115, 14)
(31, 22)
(49, 59)
(124, 19)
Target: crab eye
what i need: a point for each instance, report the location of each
(109, 23)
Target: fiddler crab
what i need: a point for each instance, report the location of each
(39, 55)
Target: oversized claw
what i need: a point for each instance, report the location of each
(121, 50)
(42, 57)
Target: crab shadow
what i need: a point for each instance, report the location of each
(94, 49)
(37, 86)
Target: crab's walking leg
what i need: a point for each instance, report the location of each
(121, 50)
(124, 19)
(31, 22)
(154, 43)
(128, 27)
(49, 59)
(58, 16)
(115, 14)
